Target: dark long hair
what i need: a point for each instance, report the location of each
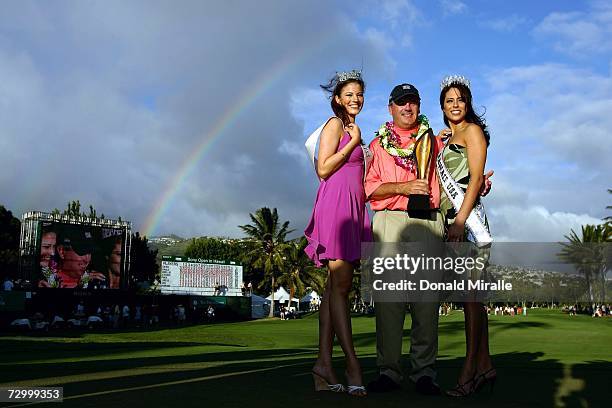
(470, 115)
(334, 87)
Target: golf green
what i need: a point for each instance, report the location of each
(545, 359)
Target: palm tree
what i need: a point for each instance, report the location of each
(588, 253)
(299, 271)
(268, 237)
(608, 219)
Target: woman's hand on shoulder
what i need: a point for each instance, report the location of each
(354, 132)
(445, 133)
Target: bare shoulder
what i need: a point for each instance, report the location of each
(474, 134)
(334, 125)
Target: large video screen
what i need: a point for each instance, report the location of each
(80, 256)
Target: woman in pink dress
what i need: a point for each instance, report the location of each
(338, 225)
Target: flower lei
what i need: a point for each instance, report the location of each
(390, 140)
(52, 277)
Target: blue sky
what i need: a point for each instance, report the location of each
(103, 102)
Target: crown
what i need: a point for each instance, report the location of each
(345, 76)
(454, 79)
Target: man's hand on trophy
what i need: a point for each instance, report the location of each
(418, 186)
(486, 185)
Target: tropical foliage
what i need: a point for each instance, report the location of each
(9, 243)
(298, 272)
(590, 254)
(268, 235)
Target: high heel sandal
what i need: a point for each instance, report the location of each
(488, 377)
(355, 390)
(462, 390)
(321, 384)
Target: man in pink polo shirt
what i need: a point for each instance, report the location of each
(390, 181)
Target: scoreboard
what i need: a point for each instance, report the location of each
(196, 276)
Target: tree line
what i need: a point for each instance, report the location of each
(269, 259)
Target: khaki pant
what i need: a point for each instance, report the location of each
(397, 226)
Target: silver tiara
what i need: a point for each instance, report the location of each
(345, 76)
(454, 79)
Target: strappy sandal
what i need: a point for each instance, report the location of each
(462, 390)
(488, 377)
(321, 384)
(356, 390)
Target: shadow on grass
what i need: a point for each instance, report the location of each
(273, 381)
(14, 351)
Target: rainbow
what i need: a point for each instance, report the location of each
(261, 85)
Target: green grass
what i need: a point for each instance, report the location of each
(545, 359)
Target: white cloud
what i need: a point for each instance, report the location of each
(391, 20)
(548, 127)
(535, 224)
(579, 33)
(379, 39)
(452, 7)
(407, 41)
(559, 113)
(294, 149)
(505, 24)
(397, 12)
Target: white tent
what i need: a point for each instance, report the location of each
(311, 295)
(282, 296)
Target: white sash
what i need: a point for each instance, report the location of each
(476, 222)
(313, 140)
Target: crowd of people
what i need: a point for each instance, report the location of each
(593, 310)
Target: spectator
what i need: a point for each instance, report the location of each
(125, 314)
(181, 314)
(7, 285)
(80, 309)
(116, 316)
(210, 313)
(138, 315)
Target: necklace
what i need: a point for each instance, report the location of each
(390, 141)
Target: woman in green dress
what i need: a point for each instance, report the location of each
(465, 156)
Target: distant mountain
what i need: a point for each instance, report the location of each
(166, 239)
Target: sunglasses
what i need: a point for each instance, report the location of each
(406, 99)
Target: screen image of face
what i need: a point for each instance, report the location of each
(115, 259)
(74, 264)
(47, 248)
